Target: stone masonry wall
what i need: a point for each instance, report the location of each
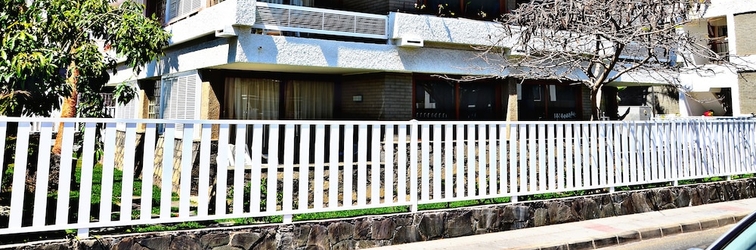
(370, 231)
(747, 88)
(745, 32)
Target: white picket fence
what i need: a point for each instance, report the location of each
(380, 164)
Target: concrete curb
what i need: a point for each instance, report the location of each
(630, 236)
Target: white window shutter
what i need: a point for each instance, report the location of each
(179, 99)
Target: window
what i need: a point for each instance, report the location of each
(179, 97)
(262, 99)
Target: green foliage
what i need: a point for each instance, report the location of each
(46, 42)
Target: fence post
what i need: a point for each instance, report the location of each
(413, 164)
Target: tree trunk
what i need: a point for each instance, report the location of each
(595, 103)
(68, 110)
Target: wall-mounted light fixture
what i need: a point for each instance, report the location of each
(357, 98)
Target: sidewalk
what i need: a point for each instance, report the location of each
(599, 233)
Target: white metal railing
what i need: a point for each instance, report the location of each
(282, 17)
(383, 163)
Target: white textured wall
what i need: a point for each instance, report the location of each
(253, 48)
(207, 21)
(444, 30)
(724, 7)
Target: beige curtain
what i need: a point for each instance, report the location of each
(251, 99)
(309, 100)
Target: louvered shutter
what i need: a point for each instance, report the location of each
(179, 101)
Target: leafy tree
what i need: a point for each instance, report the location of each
(65, 49)
(596, 42)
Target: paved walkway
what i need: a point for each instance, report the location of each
(600, 232)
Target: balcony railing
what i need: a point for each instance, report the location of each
(281, 17)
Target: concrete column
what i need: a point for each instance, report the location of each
(731, 34)
(512, 108)
(142, 109)
(210, 107)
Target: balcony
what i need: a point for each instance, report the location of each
(281, 17)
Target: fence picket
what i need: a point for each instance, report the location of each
(551, 161)
(333, 169)
(348, 164)
(272, 178)
(437, 162)
(185, 183)
(514, 180)
(424, 162)
(3, 130)
(586, 143)
(460, 164)
(66, 160)
(388, 178)
(258, 130)
(480, 148)
(401, 165)
(375, 172)
(602, 137)
(361, 165)
(569, 160)
(288, 168)
(222, 172)
(239, 161)
(449, 161)
(654, 151)
(532, 158)
(203, 190)
(43, 174)
(318, 181)
(108, 166)
(87, 167)
(542, 160)
(493, 140)
(560, 160)
(304, 167)
(470, 160)
(127, 183)
(19, 178)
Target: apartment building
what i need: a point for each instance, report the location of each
(729, 27)
(379, 60)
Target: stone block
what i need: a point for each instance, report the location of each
(383, 229)
(212, 240)
(709, 224)
(541, 217)
(581, 245)
(432, 225)
(245, 240)
(345, 245)
(459, 224)
(340, 231)
(406, 234)
(161, 242)
(361, 230)
(268, 242)
(318, 238)
(640, 203)
(185, 242)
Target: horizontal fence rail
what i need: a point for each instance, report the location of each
(166, 171)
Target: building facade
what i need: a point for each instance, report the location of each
(377, 60)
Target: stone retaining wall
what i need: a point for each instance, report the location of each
(370, 231)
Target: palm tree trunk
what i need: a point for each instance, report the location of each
(68, 110)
